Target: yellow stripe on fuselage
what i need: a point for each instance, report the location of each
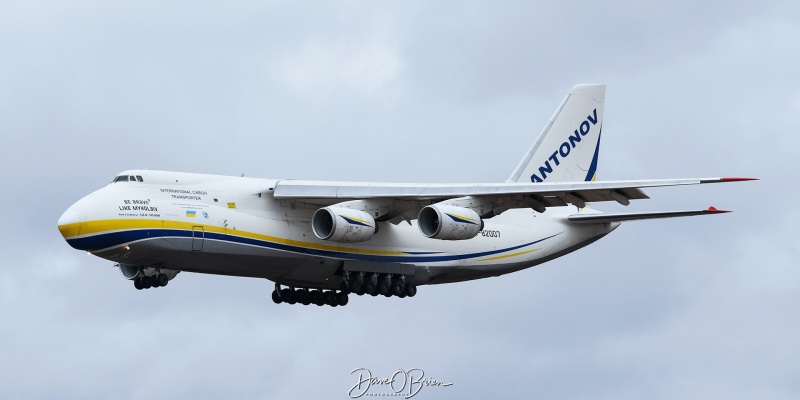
(89, 228)
(508, 255)
(70, 230)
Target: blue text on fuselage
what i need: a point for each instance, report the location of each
(565, 148)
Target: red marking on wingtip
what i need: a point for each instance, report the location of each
(738, 179)
(713, 209)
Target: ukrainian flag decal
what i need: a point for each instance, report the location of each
(191, 213)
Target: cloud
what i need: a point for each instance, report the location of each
(323, 67)
(691, 308)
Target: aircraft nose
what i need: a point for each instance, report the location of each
(70, 223)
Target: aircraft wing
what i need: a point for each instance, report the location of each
(546, 194)
(602, 218)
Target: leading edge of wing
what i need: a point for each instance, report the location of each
(300, 189)
(601, 218)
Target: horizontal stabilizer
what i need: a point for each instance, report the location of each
(619, 217)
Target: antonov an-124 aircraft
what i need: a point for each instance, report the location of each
(320, 242)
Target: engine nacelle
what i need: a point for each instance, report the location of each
(449, 222)
(341, 224)
(131, 272)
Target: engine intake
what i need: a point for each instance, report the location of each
(129, 271)
(341, 224)
(449, 222)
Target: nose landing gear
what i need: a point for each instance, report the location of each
(146, 282)
(154, 281)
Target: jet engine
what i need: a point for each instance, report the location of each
(449, 222)
(341, 224)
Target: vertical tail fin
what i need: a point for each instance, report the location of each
(567, 148)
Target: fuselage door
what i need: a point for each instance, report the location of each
(198, 234)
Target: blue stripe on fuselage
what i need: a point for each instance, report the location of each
(109, 240)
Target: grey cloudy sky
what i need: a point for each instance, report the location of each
(406, 91)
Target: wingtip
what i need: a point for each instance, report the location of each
(737, 179)
(727, 179)
(714, 210)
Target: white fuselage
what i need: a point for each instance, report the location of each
(234, 226)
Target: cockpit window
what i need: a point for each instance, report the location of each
(128, 178)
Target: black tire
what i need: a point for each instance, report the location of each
(341, 299)
(398, 288)
(146, 282)
(316, 297)
(330, 298)
(153, 281)
(137, 283)
(302, 297)
(370, 287)
(356, 285)
(361, 291)
(343, 285)
(288, 296)
(162, 280)
(385, 288)
(276, 297)
(411, 289)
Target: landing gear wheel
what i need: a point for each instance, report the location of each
(162, 280)
(137, 283)
(341, 298)
(146, 282)
(397, 288)
(276, 297)
(411, 289)
(384, 288)
(371, 288)
(302, 297)
(288, 296)
(316, 298)
(361, 291)
(330, 298)
(154, 281)
(356, 285)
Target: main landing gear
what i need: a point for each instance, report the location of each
(360, 284)
(154, 281)
(374, 284)
(305, 296)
